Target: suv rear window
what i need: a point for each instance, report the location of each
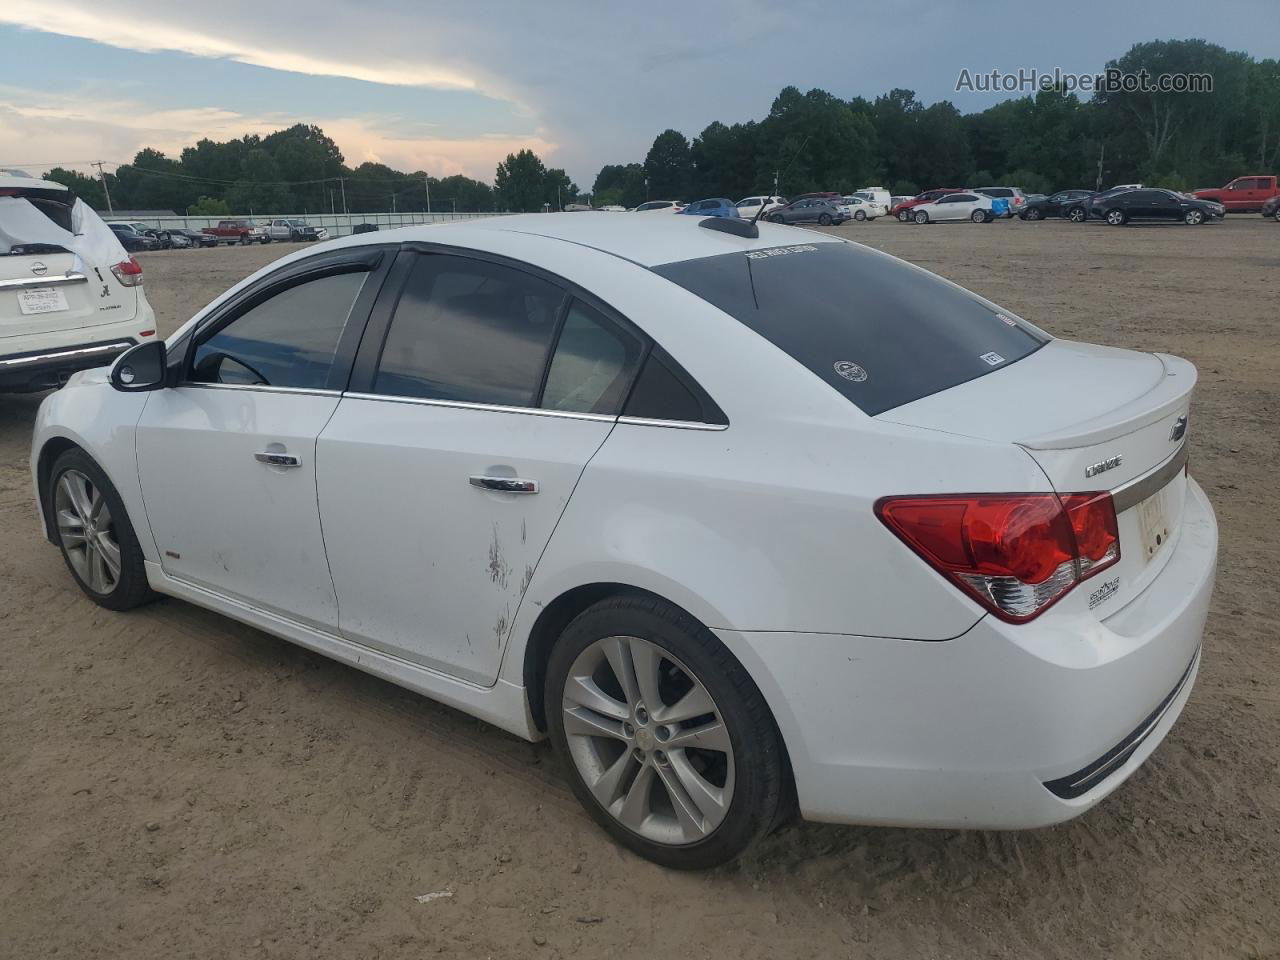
(878, 330)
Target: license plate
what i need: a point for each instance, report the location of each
(42, 300)
(1153, 525)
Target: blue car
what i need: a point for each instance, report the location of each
(715, 207)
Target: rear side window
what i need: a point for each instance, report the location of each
(592, 367)
(877, 330)
(471, 331)
(664, 391)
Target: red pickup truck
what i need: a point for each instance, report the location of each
(238, 231)
(1243, 194)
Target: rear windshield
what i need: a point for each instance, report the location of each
(876, 329)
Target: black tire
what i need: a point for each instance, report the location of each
(904, 216)
(131, 588)
(1193, 218)
(980, 216)
(859, 215)
(824, 219)
(1116, 217)
(1034, 213)
(921, 217)
(761, 784)
(776, 218)
(1077, 215)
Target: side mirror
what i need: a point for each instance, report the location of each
(140, 368)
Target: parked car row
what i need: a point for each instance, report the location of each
(1123, 204)
(137, 236)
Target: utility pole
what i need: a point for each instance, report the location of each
(342, 183)
(426, 183)
(1102, 152)
(393, 203)
(105, 189)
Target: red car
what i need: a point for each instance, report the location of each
(1243, 194)
(902, 210)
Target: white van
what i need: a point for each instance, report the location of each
(62, 311)
(876, 195)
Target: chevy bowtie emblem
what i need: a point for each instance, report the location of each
(1179, 429)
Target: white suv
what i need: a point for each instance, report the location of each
(62, 311)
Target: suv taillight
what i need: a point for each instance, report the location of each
(1014, 553)
(128, 272)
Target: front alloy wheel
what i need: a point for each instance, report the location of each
(904, 216)
(648, 740)
(1193, 218)
(86, 531)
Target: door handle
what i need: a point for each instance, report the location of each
(505, 484)
(278, 459)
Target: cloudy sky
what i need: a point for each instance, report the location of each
(453, 87)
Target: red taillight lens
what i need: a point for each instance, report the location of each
(1014, 553)
(128, 272)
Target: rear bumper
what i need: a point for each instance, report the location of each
(46, 369)
(44, 361)
(1004, 727)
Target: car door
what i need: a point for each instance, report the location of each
(1165, 206)
(944, 207)
(226, 454)
(481, 391)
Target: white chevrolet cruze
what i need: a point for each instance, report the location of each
(741, 517)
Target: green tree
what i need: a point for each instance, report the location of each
(88, 189)
(669, 167)
(622, 184)
(209, 207)
(519, 182)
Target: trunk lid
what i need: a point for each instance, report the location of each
(1093, 418)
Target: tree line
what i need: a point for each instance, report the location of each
(301, 170)
(1043, 142)
(808, 141)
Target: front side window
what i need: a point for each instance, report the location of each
(593, 364)
(469, 331)
(288, 340)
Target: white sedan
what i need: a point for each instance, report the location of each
(861, 208)
(659, 206)
(748, 207)
(648, 487)
(955, 206)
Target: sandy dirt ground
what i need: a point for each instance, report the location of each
(177, 785)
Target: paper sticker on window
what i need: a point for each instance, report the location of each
(992, 359)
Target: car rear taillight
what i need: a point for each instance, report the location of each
(128, 272)
(1014, 553)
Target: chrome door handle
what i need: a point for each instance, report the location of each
(278, 459)
(505, 484)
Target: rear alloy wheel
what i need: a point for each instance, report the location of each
(1193, 218)
(921, 217)
(978, 216)
(1077, 215)
(1116, 218)
(94, 533)
(859, 215)
(668, 743)
(1277, 215)
(904, 216)
(824, 219)
(1033, 214)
